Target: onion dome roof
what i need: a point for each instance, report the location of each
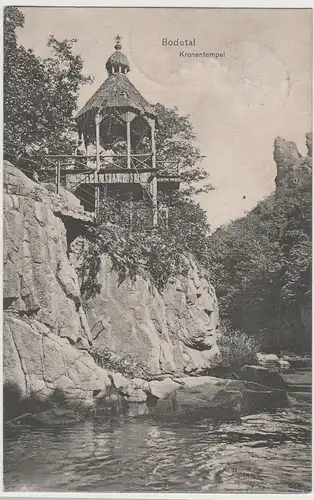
(117, 91)
(117, 62)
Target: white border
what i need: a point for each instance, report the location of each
(249, 4)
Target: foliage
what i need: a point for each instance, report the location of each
(40, 94)
(238, 349)
(131, 253)
(126, 365)
(262, 267)
(176, 141)
(135, 246)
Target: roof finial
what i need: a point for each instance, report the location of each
(118, 45)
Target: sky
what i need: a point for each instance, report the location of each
(238, 104)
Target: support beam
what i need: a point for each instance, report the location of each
(58, 175)
(131, 213)
(153, 140)
(128, 138)
(97, 200)
(154, 181)
(154, 200)
(98, 119)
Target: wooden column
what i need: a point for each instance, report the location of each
(97, 200)
(154, 199)
(58, 175)
(131, 214)
(154, 180)
(153, 140)
(98, 119)
(128, 139)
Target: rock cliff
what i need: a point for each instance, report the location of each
(292, 169)
(45, 327)
(49, 327)
(290, 162)
(172, 332)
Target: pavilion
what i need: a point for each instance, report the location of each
(117, 128)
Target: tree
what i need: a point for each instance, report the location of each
(176, 141)
(160, 249)
(40, 94)
(262, 267)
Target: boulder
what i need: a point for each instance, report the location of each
(297, 362)
(284, 365)
(52, 417)
(140, 383)
(164, 388)
(124, 386)
(197, 381)
(270, 361)
(58, 416)
(263, 376)
(195, 403)
(257, 398)
(111, 405)
(218, 399)
(137, 396)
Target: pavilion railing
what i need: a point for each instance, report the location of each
(54, 169)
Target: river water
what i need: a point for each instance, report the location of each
(266, 452)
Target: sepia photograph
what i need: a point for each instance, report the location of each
(157, 249)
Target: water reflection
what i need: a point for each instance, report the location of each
(263, 453)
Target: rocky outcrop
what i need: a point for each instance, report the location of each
(58, 417)
(294, 170)
(45, 327)
(39, 361)
(49, 328)
(262, 375)
(272, 362)
(218, 399)
(290, 162)
(171, 332)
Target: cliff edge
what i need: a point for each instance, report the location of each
(49, 327)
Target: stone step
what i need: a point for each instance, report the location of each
(303, 397)
(299, 388)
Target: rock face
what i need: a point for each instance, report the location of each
(172, 332)
(289, 161)
(45, 326)
(47, 331)
(291, 168)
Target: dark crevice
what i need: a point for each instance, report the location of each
(8, 301)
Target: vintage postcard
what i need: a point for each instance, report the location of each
(157, 187)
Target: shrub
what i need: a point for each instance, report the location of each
(125, 365)
(238, 349)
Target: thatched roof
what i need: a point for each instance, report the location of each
(117, 92)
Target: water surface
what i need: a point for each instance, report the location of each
(267, 452)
